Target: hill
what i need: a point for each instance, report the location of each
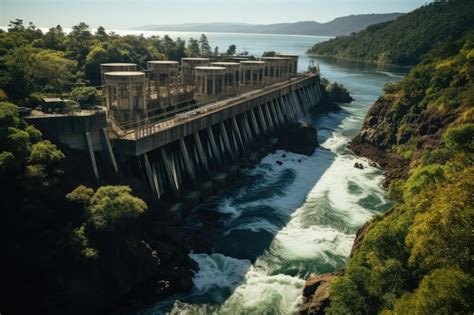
(416, 258)
(339, 26)
(405, 40)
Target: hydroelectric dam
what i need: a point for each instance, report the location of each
(185, 125)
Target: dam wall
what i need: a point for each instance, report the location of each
(183, 157)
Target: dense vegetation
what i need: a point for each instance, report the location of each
(418, 258)
(405, 40)
(68, 248)
(33, 63)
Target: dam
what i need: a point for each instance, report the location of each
(187, 126)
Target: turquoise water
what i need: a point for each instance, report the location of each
(282, 223)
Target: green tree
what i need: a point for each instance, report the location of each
(205, 48)
(231, 50)
(78, 41)
(86, 96)
(443, 291)
(460, 137)
(193, 48)
(110, 207)
(52, 70)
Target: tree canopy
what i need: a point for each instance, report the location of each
(405, 40)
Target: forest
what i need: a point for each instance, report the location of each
(418, 258)
(34, 64)
(85, 245)
(405, 40)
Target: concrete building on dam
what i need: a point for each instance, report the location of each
(186, 125)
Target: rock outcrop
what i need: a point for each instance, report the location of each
(316, 293)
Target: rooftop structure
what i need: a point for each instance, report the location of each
(163, 81)
(126, 95)
(209, 82)
(276, 68)
(252, 73)
(187, 68)
(114, 67)
(231, 78)
(293, 66)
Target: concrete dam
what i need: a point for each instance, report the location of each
(187, 126)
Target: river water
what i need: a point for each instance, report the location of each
(282, 223)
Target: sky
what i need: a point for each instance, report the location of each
(123, 14)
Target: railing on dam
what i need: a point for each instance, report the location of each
(147, 127)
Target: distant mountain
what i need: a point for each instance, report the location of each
(405, 40)
(340, 26)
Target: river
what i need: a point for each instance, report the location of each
(282, 223)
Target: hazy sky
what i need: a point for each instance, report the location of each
(122, 14)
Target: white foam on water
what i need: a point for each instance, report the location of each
(265, 294)
(218, 271)
(296, 243)
(255, 226)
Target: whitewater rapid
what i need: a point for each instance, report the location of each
(283, 223)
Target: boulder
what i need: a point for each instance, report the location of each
(316, 293)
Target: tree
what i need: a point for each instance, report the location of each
(193, 48)
(86, 96)
(16, 26)
(216, 51)
(110, 207)
(54, 39)
(231, 50)
(52, 70)
(460, 137)
(204, 46)
(101, 34)
(443, 291)
(269, 54)
(79, 41)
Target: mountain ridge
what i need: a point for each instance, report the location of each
(339, 26)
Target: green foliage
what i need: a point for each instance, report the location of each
(80, 240)
(86, 96)
(231, 50)
(269, 54)
(193, 49)
(391, 88)
(110, 206)
(418, 259)
(460, 138)
(443, 291)
(54, 62)
(24, 156)
(405, 40)
(204, 45)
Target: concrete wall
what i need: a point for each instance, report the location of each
(136, 147)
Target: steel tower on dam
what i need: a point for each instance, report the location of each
(188, 125)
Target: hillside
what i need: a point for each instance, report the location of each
(405, 40)
(418, 257)
(339, 26)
